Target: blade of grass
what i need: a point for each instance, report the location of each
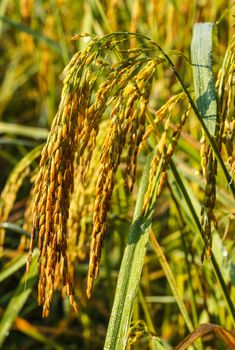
(18, 73)
(203, 77)
(31, 331)
(3, 6)
(36, 35)
(131, 268)
(184, 197)
(97, 6)
(60, 30)
(18, 300)
(23, 130)
(171, 280)
(19, 142)
(159, 344)
(146, 311)
(13, 266)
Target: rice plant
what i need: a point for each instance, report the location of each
(120, 226)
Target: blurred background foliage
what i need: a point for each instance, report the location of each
(35, 46)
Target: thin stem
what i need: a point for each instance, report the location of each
(171, 280)
(196, 220)
(130, 271)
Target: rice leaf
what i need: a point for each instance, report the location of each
(19, 298)
(13, 266)
(23, 130)
(131, 266)
(203, 77)
(36, 35)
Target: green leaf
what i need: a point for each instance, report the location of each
(23, 130)
(18, 300)
(132, 263)
(13, 266)
(159, 344)
(36, 35)
(183, 196)
(130, 272)
(203, 77)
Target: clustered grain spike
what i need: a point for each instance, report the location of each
(126, 117)
(54, 186)
(207, 214)
(14, 182)
(67, 162)
(164, 151)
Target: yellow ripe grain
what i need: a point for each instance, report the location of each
(161, 182)
(52, 188)
(58, 139)
(73, 303)
(141, 83)
(56, 218)
(42, 160)
(59, 236)
(41, 209)
(44, 198)
(35, 219)
(46, 175)
(49, 148)
(60, 178)
(29, 260)
(90, 58)
(60, 193)
(167, 124)
(53, 170)
(42, 230)
(129, 90)
(60, 219)
(53, 124)
(41, 295)
(57, 155)
(38, 178)
(48, 226)
(36, 192)
(57, 206)
(162, 143)
(49, 203)
(42, 220)
(145, 73)
(170, 149)
(48, 216)
(33, 234)
(64, 130)
(40, 243)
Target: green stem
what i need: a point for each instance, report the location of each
(130, 271)
(146, 311)
(171, 280)
(196, 221)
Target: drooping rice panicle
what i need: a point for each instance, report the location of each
(167, 141)
(67, 157)
(129, 109)
(15, 180)
(55, 183)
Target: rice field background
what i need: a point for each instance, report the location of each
(117, 174)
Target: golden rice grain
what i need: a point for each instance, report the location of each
(67, 180)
